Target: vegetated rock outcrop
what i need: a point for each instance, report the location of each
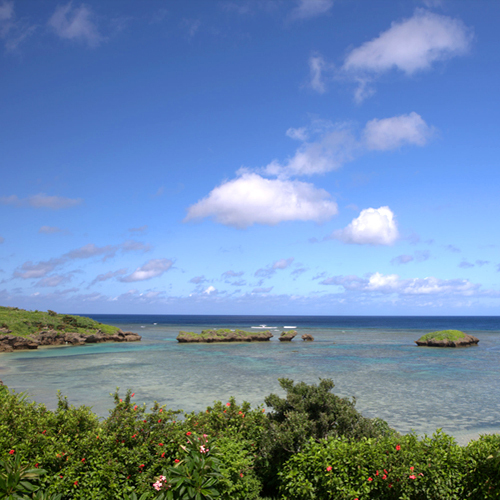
(224, 335)
(287, 336)
(307, 337)
(20, 329)
(447, 338)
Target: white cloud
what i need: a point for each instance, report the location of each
(374, 226)
(11, 30)
(251, 199)
(392, 283)
(211, 289)
(75, 24)
(410, 45)
(151, 269)
(394, 132)
(299, 134)
(329, 152)
(283, 263)
(41, 201)
(316, 66)
(6, 11)
(307, 9)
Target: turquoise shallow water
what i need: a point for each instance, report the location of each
(422, 389)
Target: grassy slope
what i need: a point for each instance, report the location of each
(24, 323)
(443, 335)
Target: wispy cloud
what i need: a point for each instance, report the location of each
(41, 201)
(151, 269)
(267, 272)
(107, 276)
(141, 229)
(51, 230)
(307, 9)
(75, 23)
(13, 31)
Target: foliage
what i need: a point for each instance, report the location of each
(222, 334)
(315, 445)
(443, 335)
(23, 323)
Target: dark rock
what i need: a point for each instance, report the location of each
(463, 342)
(307, 337)
(287, 336)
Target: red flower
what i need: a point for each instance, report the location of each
(241, 474)
(159, 421)
(76, 483)
(398, 447)
(134, 436)
(390, 485)
(83, 460)
(329, 468)
(176, 460)
(132, 395)
(386, 471)
(376, 473)
(228, 404)
(160, 444)
(412, 477)
(161, 410)
(370, 479)
(135, 407)
(128, 477)
(144, 421)
(411, 468)
(224, 411)
(11, 452)
(163, 455)
(142, 465)
(36, 465)
(384, 477)
(121, 400)
(188, 433)
(43, 432)
(60, 476)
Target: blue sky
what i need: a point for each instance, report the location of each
(334, 157)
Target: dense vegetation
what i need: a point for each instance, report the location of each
(443, 335)
(311, 445)
(223, 335)
(23, 323)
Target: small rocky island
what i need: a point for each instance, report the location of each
(224, 335)
(287, 336)
(20, 329)
(447, 338)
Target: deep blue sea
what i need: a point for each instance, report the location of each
(371, 358)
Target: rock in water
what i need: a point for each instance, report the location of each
(447, 338)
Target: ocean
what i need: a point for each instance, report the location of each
(373, 359)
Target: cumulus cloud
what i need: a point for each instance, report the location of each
(306, 9)
(374, 226)
(75, 23)
(251, 199)
(411, 45)
(393, 284)
(210, 290)
(41, 201)
(394, 132)
(151, 269)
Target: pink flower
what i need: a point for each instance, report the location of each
(203, 449)
(411, 468)
(132, 395)
(412, 477)
(188, 433)
(420, 474)
(157, 486)
(11, 452)
(398, 447)
(329, 468)
(228, 404)
(241, 474)
(161, 410)
(135, 407)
